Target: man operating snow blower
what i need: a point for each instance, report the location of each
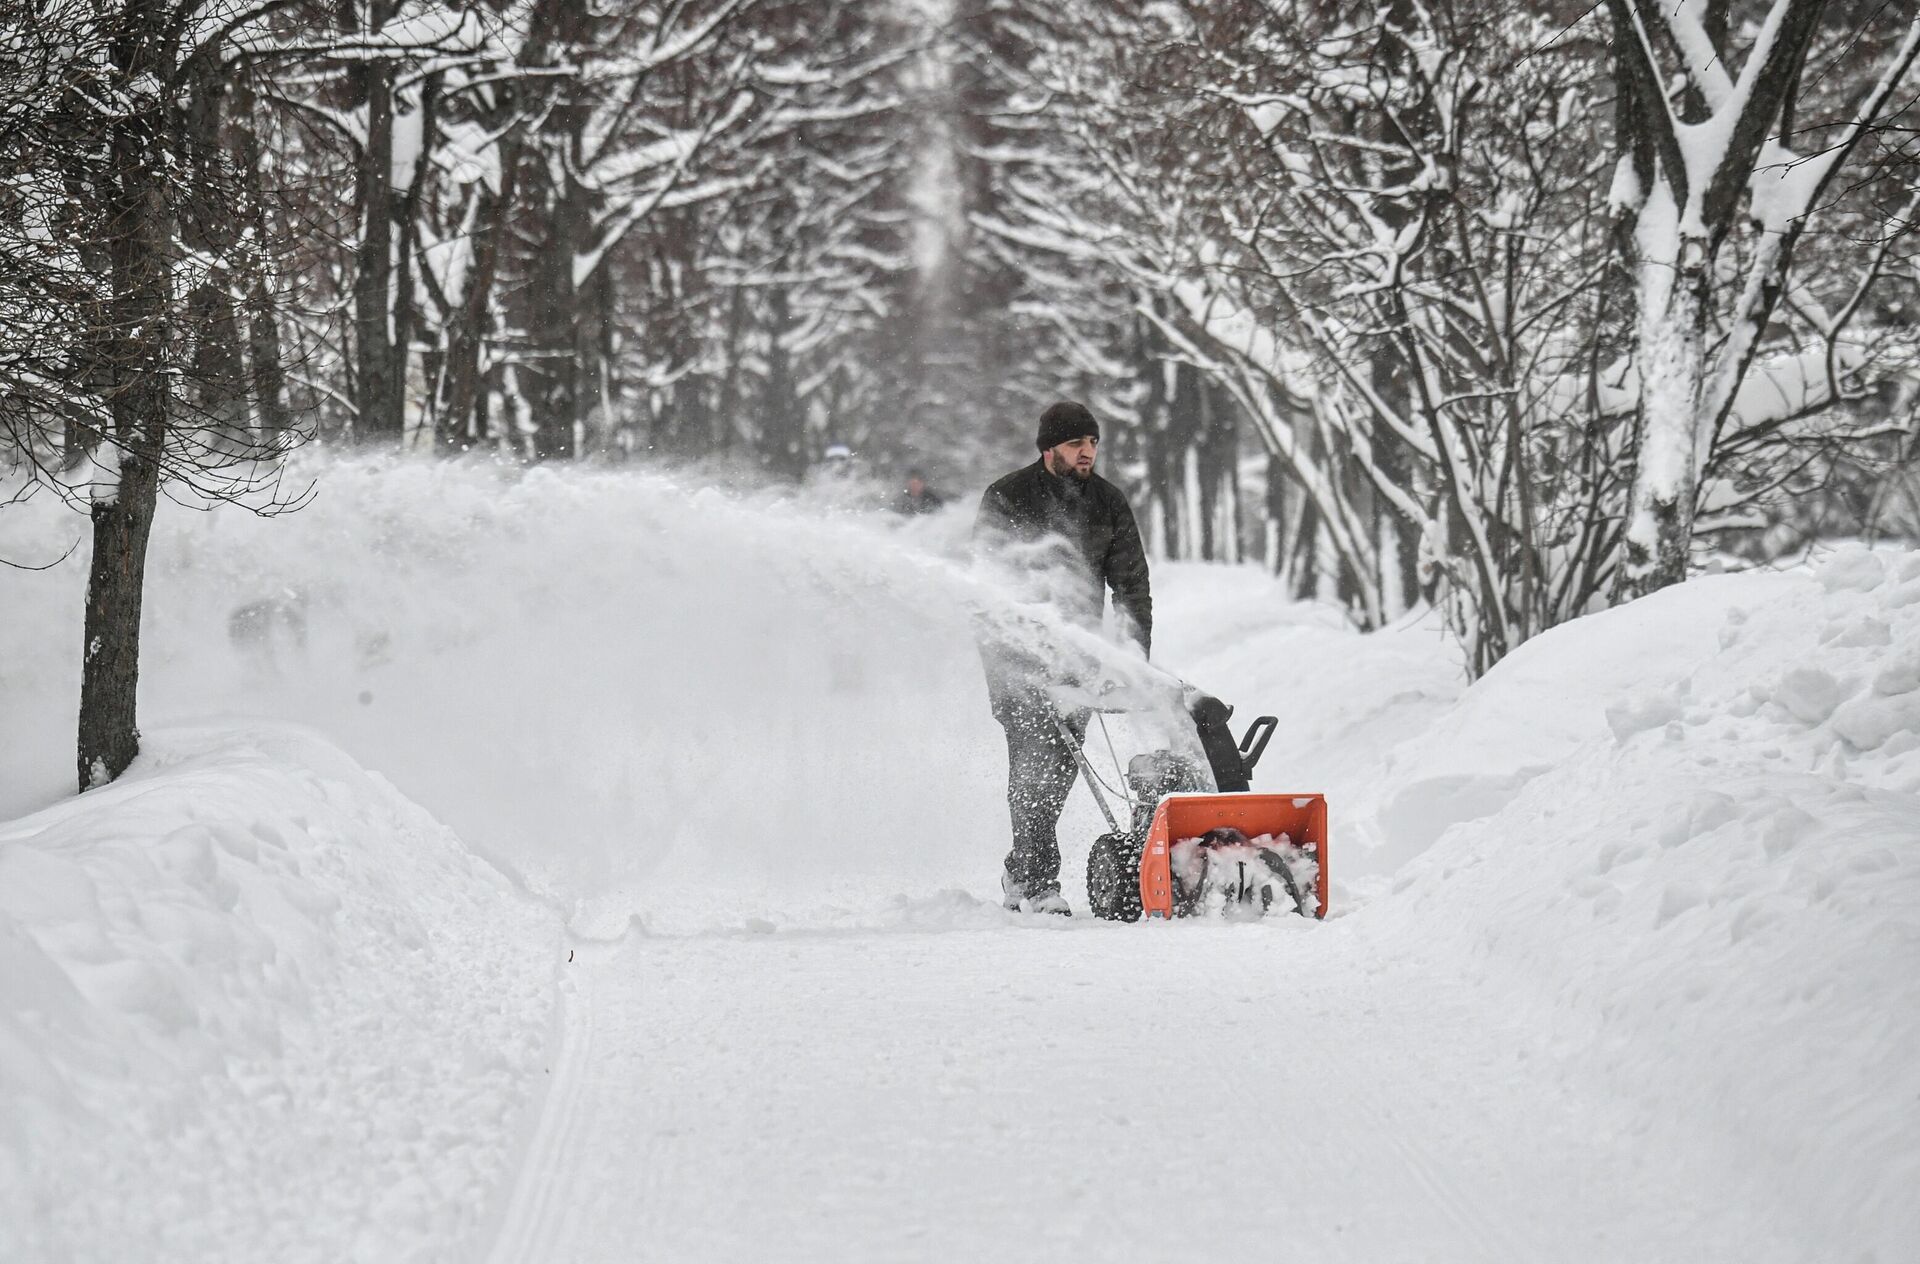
(1065, 536)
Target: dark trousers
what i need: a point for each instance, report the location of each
(1040, 771)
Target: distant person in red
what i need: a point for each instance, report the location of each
(1065, 536)
(917, 497)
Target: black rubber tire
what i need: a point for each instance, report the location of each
(1113, 878)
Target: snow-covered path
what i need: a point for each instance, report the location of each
(1097, 1092)
(1624, 962)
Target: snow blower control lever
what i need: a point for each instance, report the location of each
(1232, 763)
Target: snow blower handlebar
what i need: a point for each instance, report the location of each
(1086, 769)
(1231, 762)
(1254, 744)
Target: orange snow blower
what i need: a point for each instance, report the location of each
(1296, 824)
(1193, 848)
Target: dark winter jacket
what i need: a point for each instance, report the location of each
(1071, 542)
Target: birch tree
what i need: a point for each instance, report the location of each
(1720, 174)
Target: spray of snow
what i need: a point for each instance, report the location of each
(599, 681)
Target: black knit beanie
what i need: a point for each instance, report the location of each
(1063, 421)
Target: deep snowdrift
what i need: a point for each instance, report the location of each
(1701, 873)
(257, 1005)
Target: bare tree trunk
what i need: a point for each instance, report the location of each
(1218, 453)
(555, 326)
(784, 434)
(1399, 536)
(380, 379)
(1300, 545)
(215, 389)
(110, 671)
(554, 320)
(1163, 530)
(555, 317)
(461, 420)
(1177, 441)
(1671, 350)
(726, 421)
(1673, 231)
(594, 349)
(266, 370)
(137, 314)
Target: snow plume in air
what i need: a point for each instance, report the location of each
(648, 700)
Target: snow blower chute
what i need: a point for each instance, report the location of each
(1191, 848)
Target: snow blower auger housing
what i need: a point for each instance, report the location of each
(1193, 849)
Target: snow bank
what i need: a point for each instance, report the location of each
(1706, 876)
(257, 1006)
(1545, 700)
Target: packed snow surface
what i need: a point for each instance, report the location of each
(705, 962)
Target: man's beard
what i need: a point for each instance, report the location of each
(1082, 474)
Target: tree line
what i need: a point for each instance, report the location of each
(1511, 310)
(1529, 308)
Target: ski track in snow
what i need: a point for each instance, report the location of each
(1146, 1093)
(532, 1214)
